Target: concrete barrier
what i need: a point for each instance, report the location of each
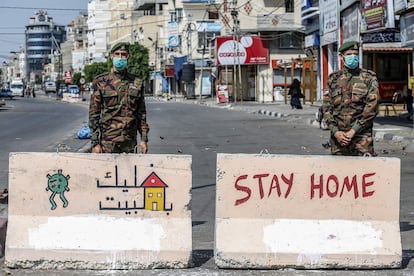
(99, 211)
(275, 211)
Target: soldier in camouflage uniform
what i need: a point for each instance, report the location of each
(351, 105)
(117, 108)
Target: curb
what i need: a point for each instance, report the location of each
(377, 134)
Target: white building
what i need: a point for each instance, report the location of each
(98, 22)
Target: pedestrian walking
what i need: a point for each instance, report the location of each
(409, 103)
(295, 93)
(351, 105)
(117, 109)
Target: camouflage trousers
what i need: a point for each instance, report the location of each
(361, 145)
(119, 147)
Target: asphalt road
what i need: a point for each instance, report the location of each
(36, 125)
(202, 132)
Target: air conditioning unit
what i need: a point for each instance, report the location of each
(151, 63)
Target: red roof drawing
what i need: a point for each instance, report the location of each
(153, 181)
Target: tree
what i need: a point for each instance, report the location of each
(138, 61)
(76, 78)
(94, 69)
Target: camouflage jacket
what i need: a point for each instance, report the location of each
(117, 109)
(351, 100)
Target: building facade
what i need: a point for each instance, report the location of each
(98, 30)
(43, 38)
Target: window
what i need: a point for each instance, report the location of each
(204, 38)
(213, 15)
(150, 194)
(290, 40)
(159, 195)
(177, 15)
(290, 5)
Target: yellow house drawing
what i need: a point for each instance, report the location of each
(154, 193)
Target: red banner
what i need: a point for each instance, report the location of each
(169, 71)
(245, 50)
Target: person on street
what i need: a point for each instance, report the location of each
(351, 104)
(409, 103)
(117, 109)
(295, 94)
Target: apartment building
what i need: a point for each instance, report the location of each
(98, 22)
(43, 38)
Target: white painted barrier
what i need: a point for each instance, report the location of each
(275, 211)
(99, 211)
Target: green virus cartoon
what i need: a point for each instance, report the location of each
(57, 184)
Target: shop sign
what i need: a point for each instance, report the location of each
(329, 15)
(377, 15)
(246, 50)
(173, 35)
(407, 29)
(387, 89)
(169, 71)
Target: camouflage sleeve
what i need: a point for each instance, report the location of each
(143, 126)
(95, 114)
(371, 106)
(327, 106)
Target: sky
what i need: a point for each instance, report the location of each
(15, 14)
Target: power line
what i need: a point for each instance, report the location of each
(38, 8)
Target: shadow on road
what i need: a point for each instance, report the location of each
(394, 120)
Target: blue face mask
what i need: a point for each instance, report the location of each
(351, 61)
(119, 63)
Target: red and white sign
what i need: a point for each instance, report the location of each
(67, 76)
(245, 50)
(222, 93)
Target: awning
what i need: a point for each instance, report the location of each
(388, 49)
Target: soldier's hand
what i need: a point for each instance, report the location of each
(143, 147)
(342, 138)
(350, 133)
(97, 149)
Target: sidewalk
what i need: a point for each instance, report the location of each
(392, 128)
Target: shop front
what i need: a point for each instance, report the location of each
(238, 59)
(392, 66)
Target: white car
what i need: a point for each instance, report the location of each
(50, 86)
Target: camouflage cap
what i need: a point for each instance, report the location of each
(354, 45)
(120, 45)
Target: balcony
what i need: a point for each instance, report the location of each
(147, 4)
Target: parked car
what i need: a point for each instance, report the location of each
(73, 89)
(6, 93)
(50, 86)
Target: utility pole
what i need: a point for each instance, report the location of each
(155, 64)
(202, 63)
(236, 26)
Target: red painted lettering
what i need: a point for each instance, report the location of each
(315, 186)
(260, 176)
(332, 178)
(349, 186)
(289, 182)
(333, 185)
(365, 184)
(243, 189)
(275, 180)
